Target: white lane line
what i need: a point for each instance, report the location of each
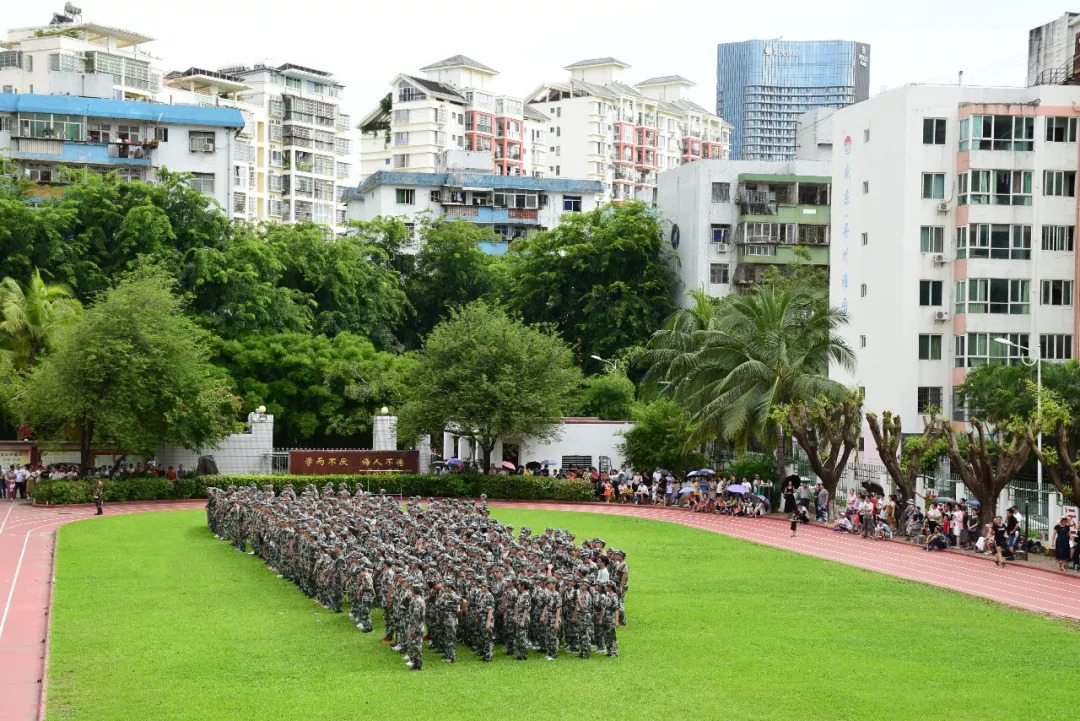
(11, 507)
(14, 580)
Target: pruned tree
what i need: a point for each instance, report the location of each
(990, 458)
(828, 431)
(902, 459)
(1060, 459)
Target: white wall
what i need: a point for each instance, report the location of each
(177, 157)
(579, 437)
(249, 452)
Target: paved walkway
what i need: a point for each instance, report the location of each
(28, 542)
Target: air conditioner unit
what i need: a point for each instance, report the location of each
(722, 247)
(941, 315)
(940, 259)
(206, 147)
(943, 206)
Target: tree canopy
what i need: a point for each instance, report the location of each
(661, 438)
(490, 376)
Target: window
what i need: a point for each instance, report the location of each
(929, 347)
(865, 238)
(993, 295)
(866, 135)
(721, 192)
(928, 398)
(865, 187)
(997, 132)
(862, 341)
(933, 186)
(932, 239)
(933, 131)
(435, 196)
(401, 160)
(1061, 183)
(718, 273)
(759, 250)
(1057, 292)
(61, 62)
(1002, 242)
(202, 182)
(978, 349)
(571, 203)
(407, 94)
(719, 233)
(292, 83)
(405, 196)
(862, 290)
(1055, 347)
(1057, 237)
(128, 133)
(161, 135)
(200, 141)
(1061, 130)
(995, 187)
(98, 132)
(930, 292)
(401, 138)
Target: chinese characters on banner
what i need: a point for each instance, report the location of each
(321, 463)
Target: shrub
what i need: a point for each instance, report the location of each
(62, 491)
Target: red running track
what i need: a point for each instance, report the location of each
(28, 543)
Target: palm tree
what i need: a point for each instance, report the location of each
(757, 351)
(32, 315)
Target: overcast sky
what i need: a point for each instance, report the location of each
(366, 44)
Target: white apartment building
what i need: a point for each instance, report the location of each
(453, 106)
(602, 128)
(44, 133)
(954, 215)
(1052, 51)
(512, 206)
(72, 57)
(730, 220)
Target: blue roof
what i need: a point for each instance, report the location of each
(473, 180)
(121, 109)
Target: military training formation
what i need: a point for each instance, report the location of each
(445, 574)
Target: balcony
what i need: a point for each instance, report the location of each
(67, 152)
(784, 213)
(488, 214)
(782, 254)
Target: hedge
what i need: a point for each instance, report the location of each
(531, 488)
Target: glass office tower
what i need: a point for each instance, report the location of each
(763, 86)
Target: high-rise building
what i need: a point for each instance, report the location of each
(763, 86)
(592, 126)
(1052, 51)
(953, 224)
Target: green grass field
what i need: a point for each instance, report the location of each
(155, 619)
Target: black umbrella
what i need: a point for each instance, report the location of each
(874, 487)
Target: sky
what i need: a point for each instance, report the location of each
(365, 44)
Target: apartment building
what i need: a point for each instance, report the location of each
(467, 188)
(601, 128)
(72, 57)
(1052, 51)
(43, 134)
(452, 106)
(954, 212)
(730, 220)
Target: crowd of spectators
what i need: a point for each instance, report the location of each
(19, 480)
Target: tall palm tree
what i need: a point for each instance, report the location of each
(766, 348)
(32, 315)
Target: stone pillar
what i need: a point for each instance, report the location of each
(384, 433)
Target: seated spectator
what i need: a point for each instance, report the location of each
(882, 530)
(843, 525)
(937, 541)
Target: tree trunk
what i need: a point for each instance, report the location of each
(86, 448)
(781, 454)
(116, 464)
(487, 457)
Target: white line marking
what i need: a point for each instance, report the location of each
(9, 510)
(14, 580)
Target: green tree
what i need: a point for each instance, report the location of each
(322, 391)
(603, 278)
(903, 457)
(490, 376)
(132, 373)
(31, 317)
(609, 396)
(662, 437)
(731, 367)
(450, 271)
(828, 431)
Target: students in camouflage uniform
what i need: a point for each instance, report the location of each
(448, 566)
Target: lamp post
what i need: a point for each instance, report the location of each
(1037, 362)
(614, 367)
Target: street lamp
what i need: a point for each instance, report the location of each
(614, 367)
(1037, 362)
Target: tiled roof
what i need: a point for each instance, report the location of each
(434, 87)
(596, 61)
(665, 80)
(532, 112)
(455, 61)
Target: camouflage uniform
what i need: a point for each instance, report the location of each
(609, 607)
(486, 630)
(415, 630)
(522, 616)
(509, 629)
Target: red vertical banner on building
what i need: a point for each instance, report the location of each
(322, 463)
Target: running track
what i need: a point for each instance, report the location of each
(28, 539)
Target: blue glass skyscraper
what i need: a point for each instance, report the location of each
(763, 86)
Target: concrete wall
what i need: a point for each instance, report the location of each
(248, 452)
(577, 437)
